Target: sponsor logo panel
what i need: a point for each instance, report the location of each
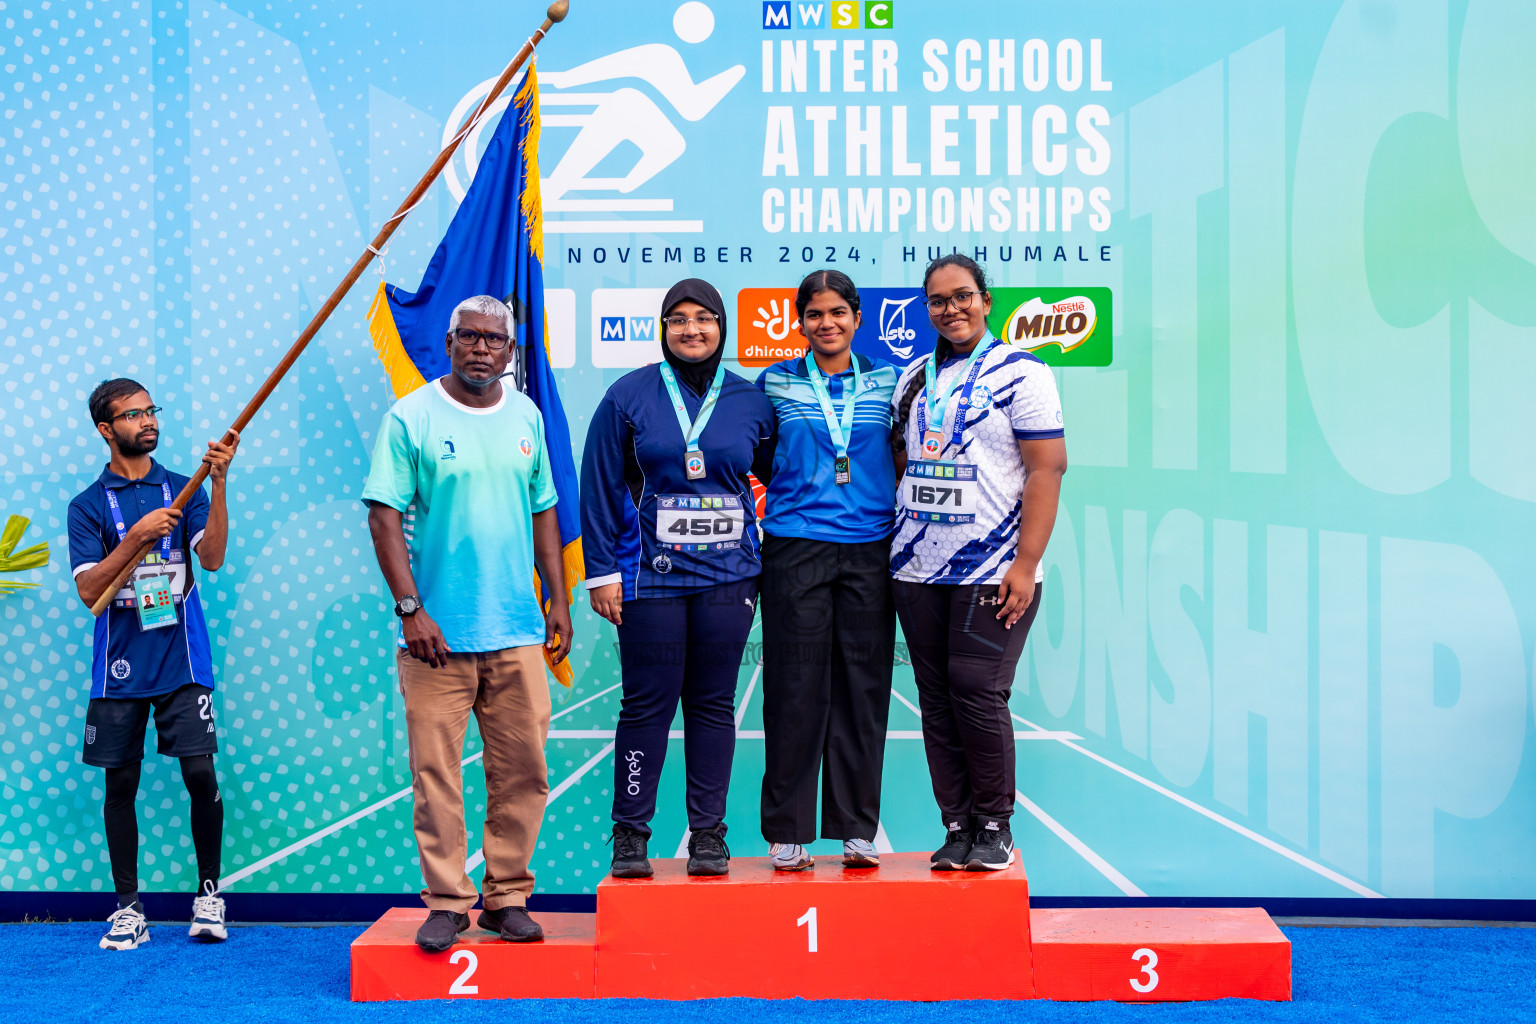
(895, 325)
(767, 329)
(626, 327)
(1063, 326)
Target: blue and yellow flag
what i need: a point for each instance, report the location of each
(494, 246)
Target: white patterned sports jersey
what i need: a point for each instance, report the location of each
(1015, 399)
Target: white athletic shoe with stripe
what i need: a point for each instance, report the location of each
(129, 929)
(789, 857)
(208, 916)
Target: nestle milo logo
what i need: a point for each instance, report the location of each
(1062, 326)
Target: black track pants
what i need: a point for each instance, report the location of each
(964, 660)
(829, 630)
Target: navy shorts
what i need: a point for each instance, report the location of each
(115, 726)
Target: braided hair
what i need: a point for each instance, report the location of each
(942, 349)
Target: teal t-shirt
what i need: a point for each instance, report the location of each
(468, 481)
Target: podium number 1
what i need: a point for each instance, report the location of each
(809, 920)
(458, 988)
(1147, 969)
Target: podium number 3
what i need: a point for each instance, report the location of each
(1147, 969)
(458, 988)
(809, 920)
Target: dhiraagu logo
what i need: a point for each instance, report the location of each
(1062, 326)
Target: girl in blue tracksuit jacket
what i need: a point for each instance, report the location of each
(669, 532)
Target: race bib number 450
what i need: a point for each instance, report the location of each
(699, 522)
(939, 492)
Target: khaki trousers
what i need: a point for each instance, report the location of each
(509, 697)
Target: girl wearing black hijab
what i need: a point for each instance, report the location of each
(669, 531)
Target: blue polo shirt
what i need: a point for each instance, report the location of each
(804, 499)
(127, 661)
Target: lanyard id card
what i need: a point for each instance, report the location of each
(152, 599)
(152, 591)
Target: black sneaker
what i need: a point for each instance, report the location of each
(513, 923)
(992, 849)
(441, 930)
(956, 849)
(629, 859)
(707, 852)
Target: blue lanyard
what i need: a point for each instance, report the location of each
(935, 405)
(692, 431)
(841, 432)
(122, 530)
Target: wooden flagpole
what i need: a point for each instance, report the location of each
(556, 13)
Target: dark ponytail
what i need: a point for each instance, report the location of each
(942, 349)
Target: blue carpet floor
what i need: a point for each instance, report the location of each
(54, 973)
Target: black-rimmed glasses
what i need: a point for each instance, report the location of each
(134, 415)
(469, 339)
(962, 301)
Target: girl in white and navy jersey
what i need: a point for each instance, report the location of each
(978, 431)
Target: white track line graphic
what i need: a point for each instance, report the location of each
(478, 857)
(337, 826)
(1246, 833)
(1079, 847)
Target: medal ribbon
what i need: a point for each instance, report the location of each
(692, 431)
(935, 405)
(842, 432)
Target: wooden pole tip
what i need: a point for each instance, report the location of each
(558, 10)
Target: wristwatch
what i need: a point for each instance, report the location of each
(410, 604)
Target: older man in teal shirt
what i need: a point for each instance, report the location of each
(462, 508)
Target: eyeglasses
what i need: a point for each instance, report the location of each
(134, 415)
(962, 301)
(679, 324)
(469, 339)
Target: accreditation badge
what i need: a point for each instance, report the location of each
(152, 598)
(933, 444)
(841, 470)
(694, 465)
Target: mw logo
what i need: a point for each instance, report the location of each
(627, 328)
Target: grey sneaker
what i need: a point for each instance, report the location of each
(789, 857)
(129, 930)
(860, 853)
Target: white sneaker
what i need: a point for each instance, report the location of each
(208, 916)
(789, 857)
(860, 853)
(129, 930)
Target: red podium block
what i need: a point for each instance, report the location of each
(386, 963)
(900, 931)
(1159, 955)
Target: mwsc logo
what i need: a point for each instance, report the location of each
(844, 14)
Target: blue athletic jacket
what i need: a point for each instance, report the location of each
(643, 522)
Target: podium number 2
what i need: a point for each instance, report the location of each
(809, 920)
(458, 988)
(1146, 969)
